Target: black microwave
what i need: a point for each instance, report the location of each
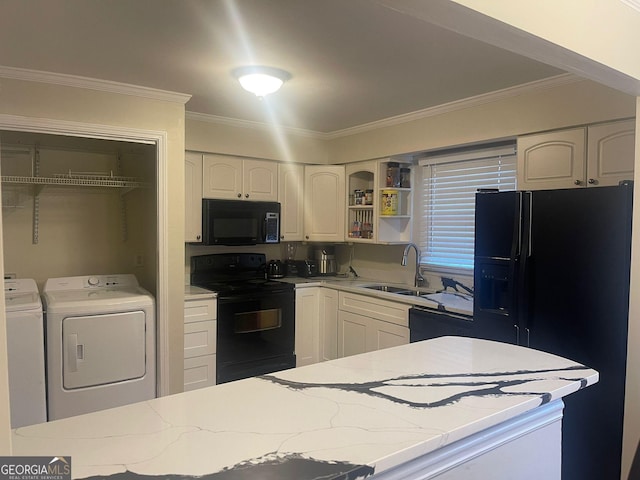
(240, 222)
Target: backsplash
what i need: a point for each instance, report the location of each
(380, 263)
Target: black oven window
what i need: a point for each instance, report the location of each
(260, 320)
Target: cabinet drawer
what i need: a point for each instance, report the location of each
(373, 307)
(199, 310)
(199, 372)
(199, 338)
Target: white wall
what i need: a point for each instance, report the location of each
(246, 140)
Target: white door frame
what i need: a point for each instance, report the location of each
(125, 134)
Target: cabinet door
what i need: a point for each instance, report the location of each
(324, 193)
(193, 197)
(552, 160)
(353, 331)
(260, 180)
(328, 324)
(386, 335)
(290, 196)
(221, 177)
(307, 326)
(199, 338)
(610, 153)
(199, 372)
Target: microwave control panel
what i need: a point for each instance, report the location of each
(271, 230)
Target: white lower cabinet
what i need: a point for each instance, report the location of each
(332, 324)
(316, 325)
(328, 303)
(367, 323)
(199, 343)
(307, 339)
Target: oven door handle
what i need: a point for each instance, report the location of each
(241, 297)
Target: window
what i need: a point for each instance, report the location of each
(447, 201)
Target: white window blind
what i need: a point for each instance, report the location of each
(449, 185)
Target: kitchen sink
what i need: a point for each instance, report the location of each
(389, 289)
(399, 290)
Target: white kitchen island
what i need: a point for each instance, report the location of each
(448, 408)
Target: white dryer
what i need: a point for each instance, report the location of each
(25, 352)
(100, 343)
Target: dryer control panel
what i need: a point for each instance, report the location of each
(91, 281)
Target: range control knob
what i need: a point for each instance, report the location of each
(93, 281)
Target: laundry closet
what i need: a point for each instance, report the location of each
(79, 217)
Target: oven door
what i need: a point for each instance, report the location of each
(255, 334)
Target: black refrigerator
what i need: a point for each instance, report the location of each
(552, 273)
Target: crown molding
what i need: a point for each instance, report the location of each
(478, 100)
(92, 84)
(234, 122)
(564, 79)
(632, 3)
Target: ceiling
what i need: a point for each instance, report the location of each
(352, 62)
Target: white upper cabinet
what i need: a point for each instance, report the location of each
(193, 197)
(610, 153)
(324, 193)
(597, 155)
(239, 179)
(552, 160)
(260, 180)
(291, 198)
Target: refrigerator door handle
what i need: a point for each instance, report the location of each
(518, 226)
(530, 223)
(517, 334)
(528, 336)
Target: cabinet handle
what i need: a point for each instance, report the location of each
(197, 237)
(593, 181)
(577, 182)
(246, 195)
(239, 195)
(307, 237)
(281, 237)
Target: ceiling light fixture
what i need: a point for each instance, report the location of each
(261, 80)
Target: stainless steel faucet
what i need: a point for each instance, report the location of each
(419, 279)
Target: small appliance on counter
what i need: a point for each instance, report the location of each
(291, 268)
(290, 264)
(306, 268)
(326, 261)
(276, 269)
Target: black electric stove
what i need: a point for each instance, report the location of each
(230, 273)
(256, 316)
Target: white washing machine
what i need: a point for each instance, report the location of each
(25, 352)
(100, 343)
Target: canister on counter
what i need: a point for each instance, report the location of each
(359, 197)
(389, 204)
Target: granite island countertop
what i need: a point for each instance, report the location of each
(347, 418)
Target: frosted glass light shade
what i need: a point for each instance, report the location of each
(260, 84)
(259, 80)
